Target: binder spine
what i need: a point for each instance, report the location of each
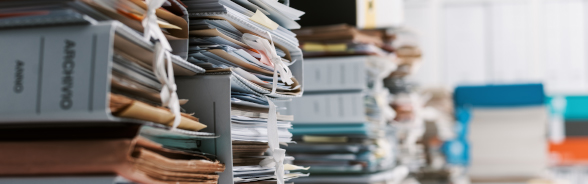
(327, 108)
(56, 73)
(336, 74)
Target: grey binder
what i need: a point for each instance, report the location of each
(210, 100)
(63, 73)
(327, 108)
(334, 74)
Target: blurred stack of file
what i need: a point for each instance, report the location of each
(340, 40)
(340, 125)
(507, 130)
(82, 80)
(250, 41)
(568, 129)
(342, 90)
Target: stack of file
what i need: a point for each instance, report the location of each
(105, 149)
(342, 149)
(341, 40)
(251, 41)
(506, 131)
(409, 121)
(404, 43)
(92, 66)
(568, 123)
(79, 52)
(341, 121)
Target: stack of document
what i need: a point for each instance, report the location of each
(134, 88)
(88, 150)
(341, 149)
(341, 40)
(342, 133)
(93, 53)
(567, 129)
(507, 130)
(188, 142)
(251, 41)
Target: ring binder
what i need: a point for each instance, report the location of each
(66, 71)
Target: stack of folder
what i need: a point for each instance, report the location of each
(115, 58)
(568, 137)
(88, 92)
(506, 131)
(100, 149)
(341, 125)
(250, 41)
(341, 40)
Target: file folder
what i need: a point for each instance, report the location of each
(63, 74)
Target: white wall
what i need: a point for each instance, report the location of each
(502, 41)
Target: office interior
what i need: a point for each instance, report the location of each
(294, 91)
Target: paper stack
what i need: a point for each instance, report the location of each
(507, 131)
(341, 122)
(86, 150)
(90, 76)
(250, 40)
(567, 132)
(341, 40)
(134, 88)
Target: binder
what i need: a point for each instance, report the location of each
(62, 74)
(574, 109)
(333, 74)
(327, 108)
(499, 95)
(212, 105)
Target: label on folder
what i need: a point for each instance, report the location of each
(49, 73)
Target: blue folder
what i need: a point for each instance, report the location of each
(331, 129)
(576, 107)
(499, 95)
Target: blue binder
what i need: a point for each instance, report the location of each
(499, 95)
(575, 109)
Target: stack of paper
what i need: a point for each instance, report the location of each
(135, 89)
(101, 64)
(251, 40)
(47, 151)
(341, 149)
(567, 130)
(507, 130)
(345, 110)
(341, 40)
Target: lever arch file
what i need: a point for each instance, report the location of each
(327, 108)
(64, 73)
(212, 104)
